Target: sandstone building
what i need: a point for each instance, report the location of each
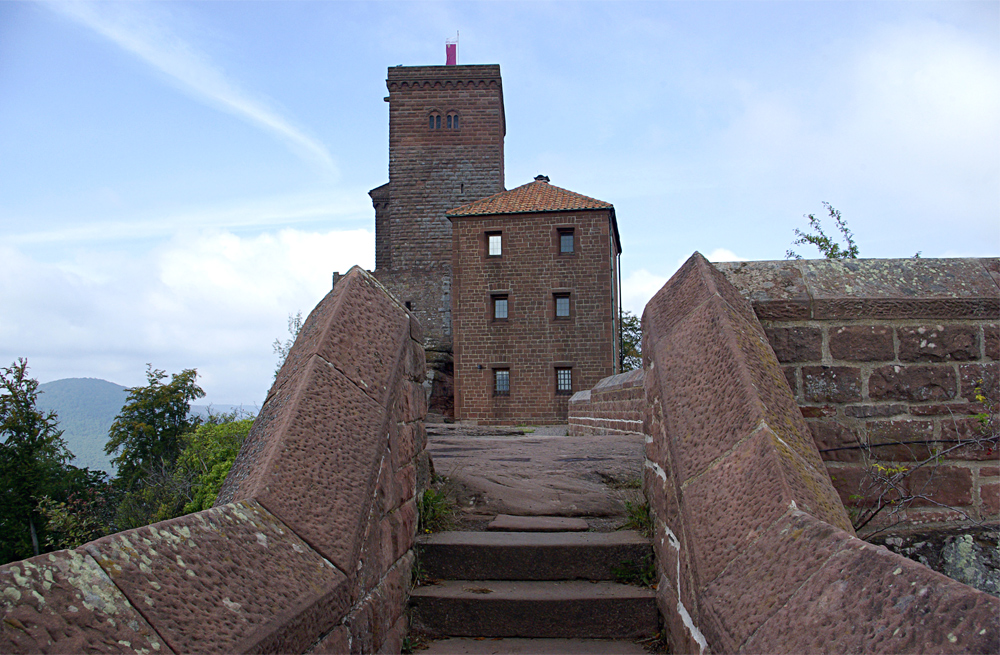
(446, 144)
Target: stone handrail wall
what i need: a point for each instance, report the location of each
(309, 545)
(884, 357)
(754, 548)
(614, 406)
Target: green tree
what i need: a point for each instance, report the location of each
(631, 342)
(826, 245)
(33, 462)
(146, 434)
(210, 452)
(282, 349)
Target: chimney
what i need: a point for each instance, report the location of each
(542, 178)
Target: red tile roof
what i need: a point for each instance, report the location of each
(537, 196)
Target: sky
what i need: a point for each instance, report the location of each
(177, 178)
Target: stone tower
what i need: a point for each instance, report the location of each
(446, 132)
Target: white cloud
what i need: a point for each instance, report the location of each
(638, 287)
(208, 299)
(145, 34)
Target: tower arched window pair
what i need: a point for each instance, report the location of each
(450, 121)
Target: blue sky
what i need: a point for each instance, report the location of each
(176, 178)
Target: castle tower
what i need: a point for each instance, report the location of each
(446, 132)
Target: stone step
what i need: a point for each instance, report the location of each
(564, 609)
(516, 646)
(530, 555)
(508, 523)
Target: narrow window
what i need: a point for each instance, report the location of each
(449, 121)
(432, 121)
(499, 308)
(501, 382)
(566, 245)
(437, 122)
(495, 246)
(456, 121)
(564, 381)
(409, 305)
(562, 305)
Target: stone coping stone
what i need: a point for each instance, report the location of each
(824, 289)
(227, 579)
(508, 523)
(64, 602)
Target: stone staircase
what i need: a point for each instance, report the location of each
(532, 584)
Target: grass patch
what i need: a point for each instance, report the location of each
(436, 511)
(638, 517)
(641, 573)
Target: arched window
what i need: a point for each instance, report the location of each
(452, 120)
(434, 121)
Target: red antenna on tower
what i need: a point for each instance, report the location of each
(451, 51)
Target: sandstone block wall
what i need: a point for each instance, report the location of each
(309, 547)
(430, 172)
(883, 358)
(754, 548)
(614, 406)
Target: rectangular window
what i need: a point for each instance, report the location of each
(495, 248)
(566, 242)
(501, 382)
(564, 381)
(562, 305)
(499, 308)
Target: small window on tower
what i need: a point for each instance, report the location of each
(566, 244)
(453, 121)
(494, 244)
(434, 122)
(501, 382)
(500, 308)
(564, 381)
(562, 305)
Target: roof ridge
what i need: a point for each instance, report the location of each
(536, 196)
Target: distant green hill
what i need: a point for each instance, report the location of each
(86, 408)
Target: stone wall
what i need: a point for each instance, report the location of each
(309, 545)
(883, 358)
(614, 406)
(754, 548)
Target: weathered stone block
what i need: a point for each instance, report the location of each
(821, 411)
(938, 343)
(875, 595)
(835, 442)
(873, 411)
(984, 376)
(796, 344)
(63, 602)
(913, 383)
(942, 485)
(990, 495)
(831, 384)
(991, 341)
(779, 562)
(206, 581)
(862, 343)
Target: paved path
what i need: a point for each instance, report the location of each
(542, 473)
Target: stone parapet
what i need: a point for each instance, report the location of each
(309, 546)
(614, 406)
(884, 359)
(754, 548)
